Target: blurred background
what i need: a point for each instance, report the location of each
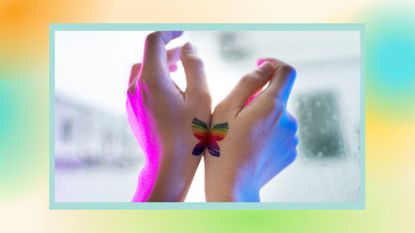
(98, 160)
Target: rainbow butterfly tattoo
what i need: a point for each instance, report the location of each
(208, 138)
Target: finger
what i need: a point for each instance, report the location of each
(252, 98)
(286, 127)
(289, 122)
(172, 68)
(194, 70)
(132, 82)
(296, 140)
(259, 63)
(281, 81)
(173, 55)
(249, 85)
(273, 61)
(155, 60)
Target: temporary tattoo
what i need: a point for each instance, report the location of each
(201, 132)
(208, 138)
(217, 133)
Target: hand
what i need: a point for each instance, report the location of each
(160, 116)
(261, 139)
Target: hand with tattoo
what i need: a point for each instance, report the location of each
(160, 116)
(261, 135)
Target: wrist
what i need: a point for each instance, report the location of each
(158, 185)
(164, 179)
(225, 184)
(232, 193)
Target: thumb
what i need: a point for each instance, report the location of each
(194, 70)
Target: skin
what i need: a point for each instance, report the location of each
(160, 116)
(261, 139)
(260, 142)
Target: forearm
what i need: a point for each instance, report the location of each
(228, 187)
(225, 194)
(164, 182)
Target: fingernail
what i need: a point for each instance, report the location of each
(177, 33)
(172, 68)
(266, 66)
(260, 61)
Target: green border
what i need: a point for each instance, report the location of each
(191, 205)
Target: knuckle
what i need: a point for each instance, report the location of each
(194, 59)
(143, 79)
(153, 37)
(145, 97)
(296, 140)
(294, 125)
(260, 73)
(292, 122)
(221, 107)
(288, 70)
(276, 104)
(292, 157)
(272, 106)
(147, 80)
(248, 79)
(147, 85)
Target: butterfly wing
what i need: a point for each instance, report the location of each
(200, 131)
(217, 133)
(213, 148)
(199, 148)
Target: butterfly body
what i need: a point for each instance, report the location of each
(208, 138)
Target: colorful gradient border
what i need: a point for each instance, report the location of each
(208, 206)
